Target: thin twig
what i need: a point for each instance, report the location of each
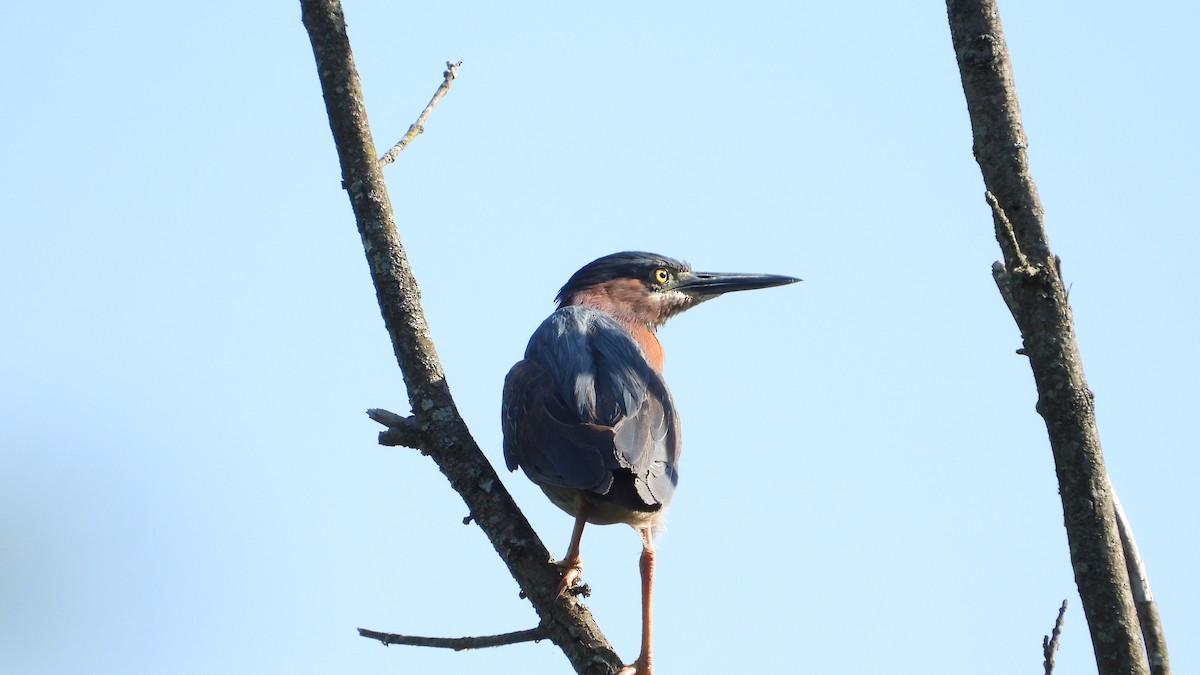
(1050, 642)
(401, 430)
(1143, 599)
(458, 644)
(1014, 260)
(418, 127)
(1005, 235)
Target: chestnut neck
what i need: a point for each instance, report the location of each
(626, 301)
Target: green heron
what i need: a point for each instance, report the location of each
(587, 414)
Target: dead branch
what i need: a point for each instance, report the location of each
(401, 430)
(446, 439)
(418, 127)
(1050, 642)
(457, 644)
(1032, 287)
(1147, 609)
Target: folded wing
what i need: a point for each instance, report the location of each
(585, 406)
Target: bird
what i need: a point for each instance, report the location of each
(587, 415)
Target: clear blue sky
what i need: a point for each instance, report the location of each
(188, 481)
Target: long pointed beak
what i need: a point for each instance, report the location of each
(707, 285)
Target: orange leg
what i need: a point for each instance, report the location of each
(644, 664)
(572, 563)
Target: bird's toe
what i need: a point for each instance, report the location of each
(572, 567)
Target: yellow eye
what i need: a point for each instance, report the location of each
(661, 275)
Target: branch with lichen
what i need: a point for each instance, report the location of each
(418, 127)
(435, 426)
(401, 430)
(1030, 281)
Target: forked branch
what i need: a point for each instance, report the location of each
(1050, 642)
(435, 424)
(1030, 281)
(401, 430)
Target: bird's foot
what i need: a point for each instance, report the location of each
(640, 667)
(572, 567)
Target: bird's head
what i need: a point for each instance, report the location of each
(646, 289)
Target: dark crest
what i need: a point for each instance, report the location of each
(623, 265)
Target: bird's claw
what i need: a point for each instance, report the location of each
(572, 567)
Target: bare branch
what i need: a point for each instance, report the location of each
(1013, 258)
(1147, 609)
(567, 622)
(1050, 642)
(401, 430)
(1004, 284)
(1007, 238)
(1032, 287)
(418, 127)
(458, 644)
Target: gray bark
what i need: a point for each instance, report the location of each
(436, 422)
(1030, 281)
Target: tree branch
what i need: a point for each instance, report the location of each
(1038, 300)
(567, 622)
(1013, 258)
(1005, 235)
(457, 644)
(1143, 599)
(401, 430)
(418, 127)
(1050, 642)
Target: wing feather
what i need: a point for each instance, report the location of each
(585, 404)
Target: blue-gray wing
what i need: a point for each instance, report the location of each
(585, 404)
